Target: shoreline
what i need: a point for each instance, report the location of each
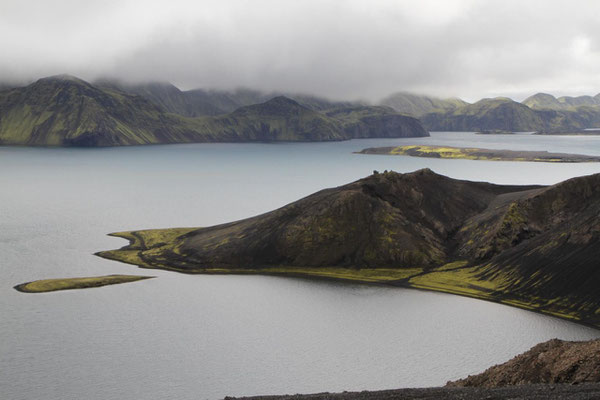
(380, 277)
(60, 284)
(473, 153)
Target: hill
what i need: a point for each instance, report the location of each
(418, 105)
(201, 102)
(67, 111)
(544, 101)
(376, 121)
(529, 246)
(505, 114)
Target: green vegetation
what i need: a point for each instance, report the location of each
(528, 246)
(51, 285)
(544, 101)
(199, 102)
(66, 111)
(370, 121)
(479, 154)
(506, 115)
(419, 105)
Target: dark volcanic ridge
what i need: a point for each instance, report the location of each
(529, 246)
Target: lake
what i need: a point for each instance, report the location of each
(204, 337)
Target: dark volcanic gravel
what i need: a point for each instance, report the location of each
(525, 392)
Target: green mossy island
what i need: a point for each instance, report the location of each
(532, 247)
(466, 153)
(51, 285)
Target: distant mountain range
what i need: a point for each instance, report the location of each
(200, 102)
(419, 105)
(541, 112)
(67, 111)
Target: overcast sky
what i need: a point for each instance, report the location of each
(344, 49)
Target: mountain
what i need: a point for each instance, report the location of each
(200, 102)
(192, 103)
(67, 111)
(578, 101)
(279, 119)
(530, 246)
(543, 101)
(486, 114)
(284, 119)
(376, 121)
(418, 105)
(505, 114)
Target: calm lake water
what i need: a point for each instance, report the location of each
(204, 337)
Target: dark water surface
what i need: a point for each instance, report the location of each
(197, 337)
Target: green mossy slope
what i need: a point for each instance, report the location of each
(52, 285)
(66, 111)
(528, 246)
(504, 114)
(467, 153)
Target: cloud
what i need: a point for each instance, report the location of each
(335, 48)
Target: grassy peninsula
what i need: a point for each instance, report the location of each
(467, 153)
(532, 247)
(51, 285)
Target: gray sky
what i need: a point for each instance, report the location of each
(344, 49)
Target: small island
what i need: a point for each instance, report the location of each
(495, 132)
(468, 153)
(51, 285)
(570, 132)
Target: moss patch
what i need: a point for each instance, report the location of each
(467, 153)
(51, 285)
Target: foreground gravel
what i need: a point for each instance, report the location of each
(525, 392)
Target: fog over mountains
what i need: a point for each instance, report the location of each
(348, 49)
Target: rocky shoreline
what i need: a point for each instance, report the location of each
(555, 369)
(525, 392)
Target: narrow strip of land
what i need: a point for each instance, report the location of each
(471, 153)
(51, 285)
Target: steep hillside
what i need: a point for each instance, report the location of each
(533, 247)
(543, 101)
(578, 101)
(66, 111)
(487, 114)
(201, 102)
(418, 105)
(376, 121)
(279, 119)
(507, 115)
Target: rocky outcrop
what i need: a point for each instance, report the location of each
(552, 362)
